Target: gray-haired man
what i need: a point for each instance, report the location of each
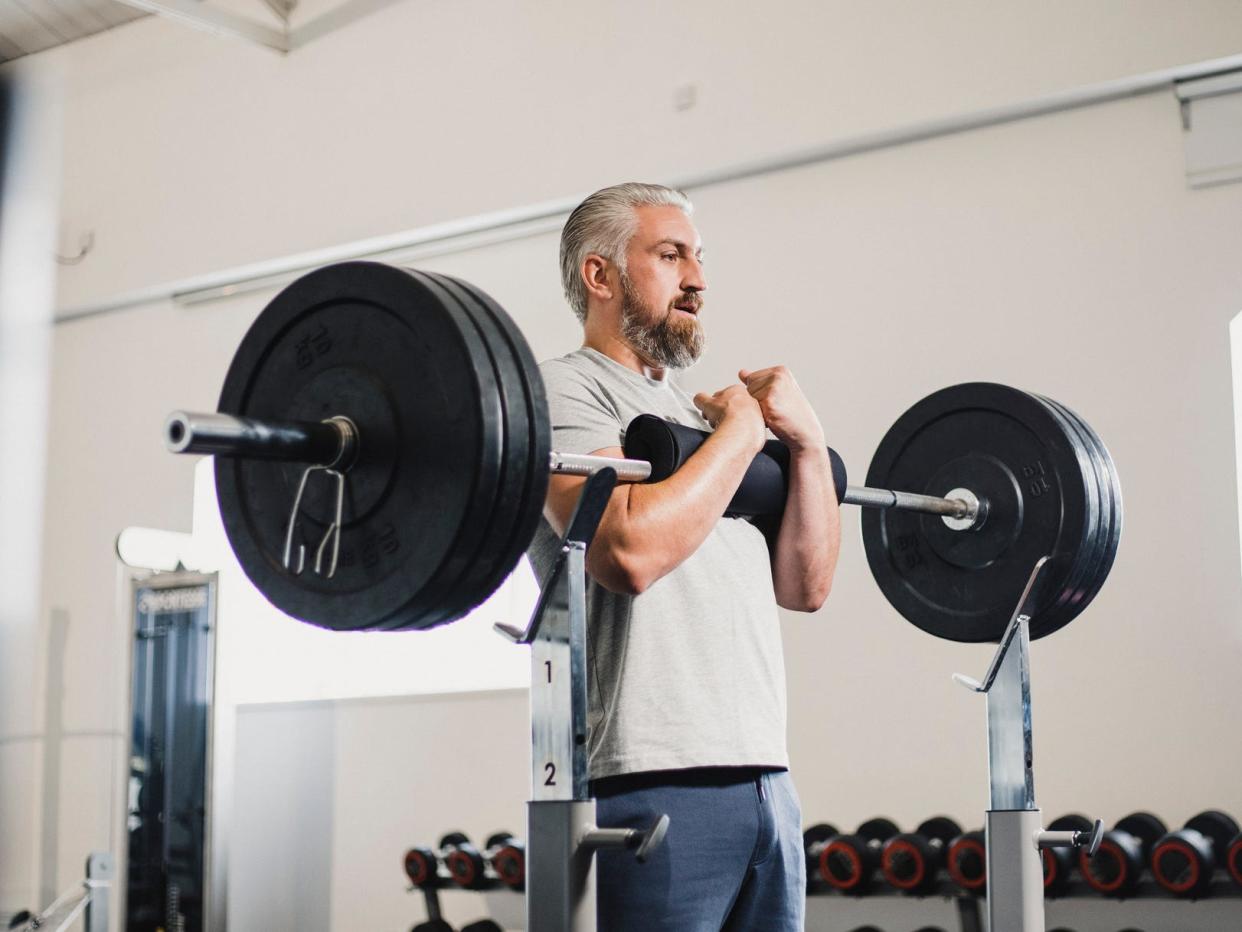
(687, 695)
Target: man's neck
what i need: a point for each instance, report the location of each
(615, 348)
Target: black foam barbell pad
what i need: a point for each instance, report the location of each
(667, 446)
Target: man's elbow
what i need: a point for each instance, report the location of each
(806, 599)
(623, 573)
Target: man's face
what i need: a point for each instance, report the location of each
(661, 288)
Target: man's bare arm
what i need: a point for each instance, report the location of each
(649, 529)
(809, 538)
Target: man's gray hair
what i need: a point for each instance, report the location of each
(603, 224)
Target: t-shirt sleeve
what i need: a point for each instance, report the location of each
(583, 418)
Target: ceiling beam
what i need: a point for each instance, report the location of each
(203, 16)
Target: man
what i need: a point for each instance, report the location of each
(687, 683)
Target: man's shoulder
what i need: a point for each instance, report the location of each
(572, 372)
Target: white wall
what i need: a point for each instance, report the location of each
(331, 794)
(1066, 252)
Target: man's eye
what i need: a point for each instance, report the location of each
(669, 255)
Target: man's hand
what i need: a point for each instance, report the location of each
(785, 409)
(735, 408)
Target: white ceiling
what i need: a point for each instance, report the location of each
(28, 26)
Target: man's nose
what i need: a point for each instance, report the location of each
(695, 279)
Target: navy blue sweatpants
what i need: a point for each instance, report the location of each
(732, 859)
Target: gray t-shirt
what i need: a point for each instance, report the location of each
(690, 673)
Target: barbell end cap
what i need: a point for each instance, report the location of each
(968, 681)
(177, 432)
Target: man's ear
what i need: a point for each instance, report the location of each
(595, 275)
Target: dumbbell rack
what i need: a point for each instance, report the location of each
(562, 836)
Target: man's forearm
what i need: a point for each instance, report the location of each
(649, 530)
(809, 538)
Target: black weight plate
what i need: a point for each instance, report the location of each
(1099, 560)
(496, 839)
(1091, 550)
(1071, 823)
(452, 840)
(1144, 826)
(454, 590)
(458, 595)
(940, 827)
(1216, 825)
(819, 832)
(369, 342)
(529, 430)
(1111, 485)
(964, 585)
(880, 829)
(535, 492)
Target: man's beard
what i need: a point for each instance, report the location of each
(672, 342)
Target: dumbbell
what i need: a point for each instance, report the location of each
(911, 861)
(1184, 861)
(1233, 859)
(1059, 862)
(467, 865)
(432, 925)
(1115, 868)
(422, 867)
(508, 860)
(483, 925)
(813, 841)
(967, 862)
(848, 862)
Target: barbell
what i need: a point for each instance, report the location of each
(383, 448)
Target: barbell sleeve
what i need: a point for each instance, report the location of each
(579, 464)
(908, 501)
(317, 443)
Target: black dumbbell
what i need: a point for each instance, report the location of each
(483, 925)
(967, 862)
(1117, 865)
(911, 862)
(466, 865)
(848, 862)
(1184, 861)
(421, 866)
(433, 925)
(507, 857)
(813, 841)
(1059, 862)
(1233, 859)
